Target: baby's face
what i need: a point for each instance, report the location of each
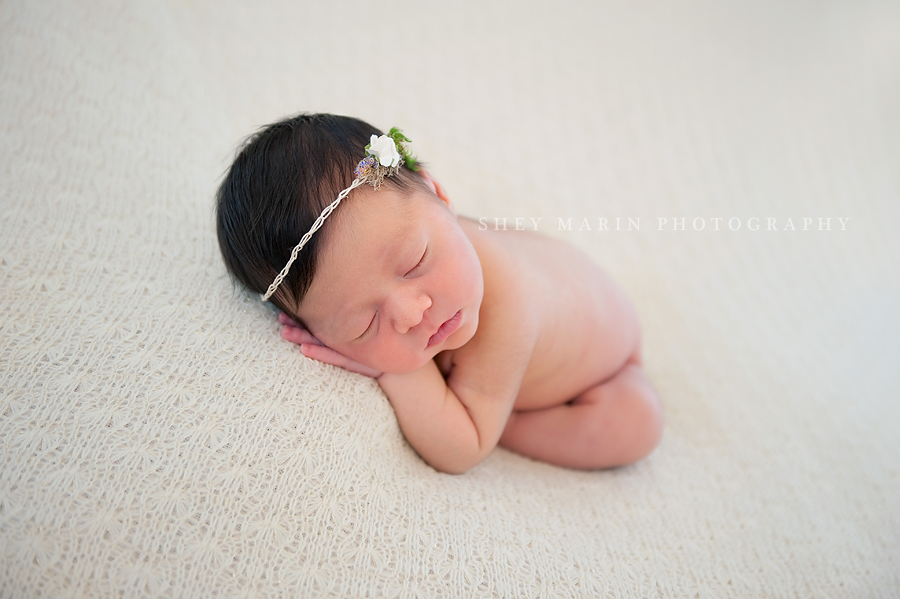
(397, 281)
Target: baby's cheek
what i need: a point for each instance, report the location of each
(373, 354)
(471, 273)
(471, 286)
(363, 356)
(398, 366)
(399, 360)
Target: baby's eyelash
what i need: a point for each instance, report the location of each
(421, 260)
(368, 328)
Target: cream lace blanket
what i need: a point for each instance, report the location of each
(158, 438)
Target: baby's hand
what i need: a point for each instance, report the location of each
(311, 347)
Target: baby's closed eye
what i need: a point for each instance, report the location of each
(369, 328)
(415, 269)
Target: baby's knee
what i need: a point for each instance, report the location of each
(649, 430)
(629, 419)
(645, 416)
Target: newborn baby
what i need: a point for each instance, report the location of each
(477, 337)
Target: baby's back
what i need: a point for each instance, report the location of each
(586, 326)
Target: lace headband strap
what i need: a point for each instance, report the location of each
(384, 156)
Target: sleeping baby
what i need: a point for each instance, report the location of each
(477, 337)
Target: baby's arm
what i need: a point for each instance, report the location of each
(453, 424)
(453, 430)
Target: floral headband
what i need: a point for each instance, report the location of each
(384, 156)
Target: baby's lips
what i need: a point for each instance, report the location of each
(449, 327)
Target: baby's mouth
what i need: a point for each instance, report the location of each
(446, 329)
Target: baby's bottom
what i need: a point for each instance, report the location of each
(615, 423)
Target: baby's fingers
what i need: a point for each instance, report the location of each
(329, 356)
(288, 321)
(298, 335)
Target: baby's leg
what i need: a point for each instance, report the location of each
(617, 422)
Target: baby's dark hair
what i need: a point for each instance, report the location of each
(284, 175)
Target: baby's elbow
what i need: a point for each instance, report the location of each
(458, 462)
(454, 467)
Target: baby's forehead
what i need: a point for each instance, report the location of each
(369, 234)
(373, 215)
(386, 198)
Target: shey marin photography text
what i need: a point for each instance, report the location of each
(665, 223)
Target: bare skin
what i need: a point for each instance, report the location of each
(479, 337)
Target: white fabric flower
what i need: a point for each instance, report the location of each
(384, 149)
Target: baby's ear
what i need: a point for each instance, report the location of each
(436, 188)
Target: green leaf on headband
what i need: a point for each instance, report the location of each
(400, 141)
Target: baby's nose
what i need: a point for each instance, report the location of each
(411, 312)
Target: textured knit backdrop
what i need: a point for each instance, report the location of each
(158, 438)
